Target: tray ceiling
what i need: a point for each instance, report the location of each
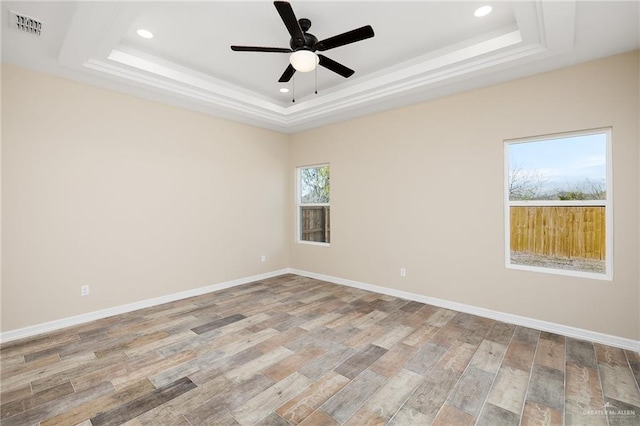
(421, 50)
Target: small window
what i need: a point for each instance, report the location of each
(558, 204)
(313, 198)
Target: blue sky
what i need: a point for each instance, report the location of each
(564, 162)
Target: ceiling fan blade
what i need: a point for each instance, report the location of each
(352, 36)
(287, 74)
(260, 49)
(336, 67)
(290, 21)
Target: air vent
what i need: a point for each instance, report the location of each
(25, 23)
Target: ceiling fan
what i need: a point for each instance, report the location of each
(303, 45)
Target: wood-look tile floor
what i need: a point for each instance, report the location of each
(293, 350)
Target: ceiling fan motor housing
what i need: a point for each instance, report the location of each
(309, 39)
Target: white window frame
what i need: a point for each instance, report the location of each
(608, 204)
(300, 204)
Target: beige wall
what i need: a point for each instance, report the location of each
(1, 200)
(139, 200)
(422, 188)
(135, 198)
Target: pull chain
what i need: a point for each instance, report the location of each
(293, 86)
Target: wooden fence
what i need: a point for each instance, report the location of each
(568, 231)
(315, 224)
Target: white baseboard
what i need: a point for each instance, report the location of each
(578, 333)
(47, 327)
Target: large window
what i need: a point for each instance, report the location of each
(558, 204)
(313, 197)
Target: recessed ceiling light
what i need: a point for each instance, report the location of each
(482, 11)
(144, 33)
(284, 90)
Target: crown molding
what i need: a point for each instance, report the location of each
(542, 29)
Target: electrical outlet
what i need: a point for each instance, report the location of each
(403, 272)
(84, 290)
(263, 258)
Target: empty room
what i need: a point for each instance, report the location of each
(320, 213)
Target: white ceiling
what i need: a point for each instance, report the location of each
(421, 50)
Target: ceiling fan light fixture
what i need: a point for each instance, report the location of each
(284, 90)
(304, 60)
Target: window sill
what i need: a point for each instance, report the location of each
(313, 243)
(565, 272)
